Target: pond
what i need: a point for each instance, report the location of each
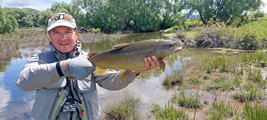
(148, 88)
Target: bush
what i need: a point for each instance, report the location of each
(249, 42)
(250, 36)
(215, 35)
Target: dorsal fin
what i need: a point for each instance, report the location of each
(90, 54)
(120, 46)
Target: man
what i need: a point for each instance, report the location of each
(63, 76)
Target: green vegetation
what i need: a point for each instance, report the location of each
(186, 101)
(136, 15)
(220, 63)
(220, 111)
(251, 36)
(222, 84)
(8, 23)
(173, 79)
(125, 110)
(255, 111)
(249, 95)
(222, 10)
(195, 81)
(168, 113)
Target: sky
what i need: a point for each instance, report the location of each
(35, 4)
(44, 4)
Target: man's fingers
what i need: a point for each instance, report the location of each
(155, 60)
(150, 63)
(147, 64)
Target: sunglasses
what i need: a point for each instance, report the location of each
(60, 16)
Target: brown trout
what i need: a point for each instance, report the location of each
(129, 56)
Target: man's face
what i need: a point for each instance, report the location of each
(63, 38)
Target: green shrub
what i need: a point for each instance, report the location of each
(249, 42)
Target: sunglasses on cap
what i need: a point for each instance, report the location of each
(60, 19)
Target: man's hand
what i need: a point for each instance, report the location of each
(150, 63)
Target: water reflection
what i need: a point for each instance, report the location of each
(12, 99)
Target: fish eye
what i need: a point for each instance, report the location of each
(170, 45)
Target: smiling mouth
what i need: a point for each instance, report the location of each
(64, 43)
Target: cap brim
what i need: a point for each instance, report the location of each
(65, 23)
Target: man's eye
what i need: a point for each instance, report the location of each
(55, 33)
(69, 32)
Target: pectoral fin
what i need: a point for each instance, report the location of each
(99, 70)
(162, 64)
(123, 74)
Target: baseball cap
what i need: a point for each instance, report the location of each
(60, 19)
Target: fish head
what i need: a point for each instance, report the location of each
(168, 47)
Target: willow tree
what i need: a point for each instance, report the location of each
(223, 10)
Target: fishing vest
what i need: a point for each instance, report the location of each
(69, 99)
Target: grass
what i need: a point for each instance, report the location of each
(125, 110)
(223, 84)
(168, 112)
(255, 111)
(220, 111)
(186, 101)
(250, 95)
(259, 59)
(173, 79)
(254, 74)
(220, 63)
(195, 80)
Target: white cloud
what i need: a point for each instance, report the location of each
(35, 4)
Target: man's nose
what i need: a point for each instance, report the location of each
(63, 36)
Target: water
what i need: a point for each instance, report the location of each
(16, 104)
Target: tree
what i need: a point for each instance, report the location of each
(136, 15)
(26, 17)
(8, 23)
(223, 10)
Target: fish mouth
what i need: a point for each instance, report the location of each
(177, 49)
